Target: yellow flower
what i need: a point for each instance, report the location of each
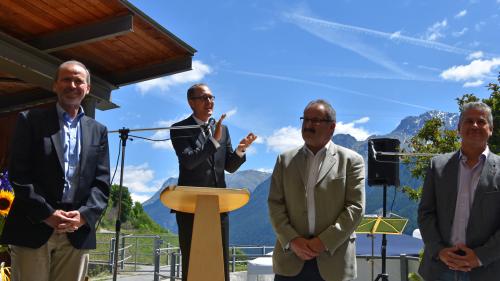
(6, 198)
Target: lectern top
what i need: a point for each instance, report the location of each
(183, 198)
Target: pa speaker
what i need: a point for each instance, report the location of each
(383, 169)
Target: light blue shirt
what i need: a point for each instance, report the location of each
(71, 140)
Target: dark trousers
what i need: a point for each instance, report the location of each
(310, 272)
(185, 225)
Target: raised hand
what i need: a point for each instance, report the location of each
(218, 128)
(246, 142)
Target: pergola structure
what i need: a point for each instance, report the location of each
(117, 42)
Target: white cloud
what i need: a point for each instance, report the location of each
(461, 14)
(141, 198)
(284, 139)
(200, 70)
(164, 134)
(361, 120)
(460, 33)
(473, 84)
(265, 170)
(395, 35)
(251, 150)
(231, 112)
(475, 70)
(350, 128)
(435, 31)
(479, 26)
(139, 179)
(475, 55)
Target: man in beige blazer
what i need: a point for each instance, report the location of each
(316, 201)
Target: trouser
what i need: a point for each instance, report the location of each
(185, 226)
(453, 275)
(309, 272)
(56, 260)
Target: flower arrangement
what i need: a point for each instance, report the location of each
(6, 199)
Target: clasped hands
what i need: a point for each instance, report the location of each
(307, 249)
(455, 261)
(244, 143)
(63, 221)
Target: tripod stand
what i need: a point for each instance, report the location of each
(383, 275)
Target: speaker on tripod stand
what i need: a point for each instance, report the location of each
(383, 170)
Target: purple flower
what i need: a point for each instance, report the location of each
(4, 181)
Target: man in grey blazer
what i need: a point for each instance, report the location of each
(59, 169)
(459, 213)
(316, 201)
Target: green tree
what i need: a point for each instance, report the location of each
(434, 138)
(126, 201)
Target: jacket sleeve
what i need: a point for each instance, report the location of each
(427, 215)
(100, 187)
(278, 213)
(354, 206)
(21, 171)
(233, 160)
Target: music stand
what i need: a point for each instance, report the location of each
(384, 226)
(206, 203)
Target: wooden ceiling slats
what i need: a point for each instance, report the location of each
(121, 58)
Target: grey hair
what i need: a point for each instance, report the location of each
(72, 62)
(477, 105)
(192, 89)
(330, 112)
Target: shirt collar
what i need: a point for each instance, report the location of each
(307, 151)
(198, 121)
(64, 116)
(483, 155)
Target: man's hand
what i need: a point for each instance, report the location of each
(470, 256)
(63, 221)
(455, 261)
(57, 218)
(301, 248)
(246, 142)
(316, 245)
(218, 128)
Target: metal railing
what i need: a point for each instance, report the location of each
(146, 254)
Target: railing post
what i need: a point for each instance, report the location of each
(111, 254)
(178, 264)
(233, 266)
(172, 265)
(403, 263)
(122, 253)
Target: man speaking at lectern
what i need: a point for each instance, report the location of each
(316, 201)
(203, 156)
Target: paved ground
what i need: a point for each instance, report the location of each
(148, 276)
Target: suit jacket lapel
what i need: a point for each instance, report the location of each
(452, 170)
(299, 161)
(329, 162)
(485, 181)
(54, 126)
(86, 140)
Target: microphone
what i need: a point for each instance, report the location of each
(206, 127)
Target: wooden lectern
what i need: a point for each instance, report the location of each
(206, 261)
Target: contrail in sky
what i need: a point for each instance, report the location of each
(323, 85)
(305, 20)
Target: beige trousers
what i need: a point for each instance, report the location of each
(56, 260)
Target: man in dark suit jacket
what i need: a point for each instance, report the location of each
(459, 213)
(59, 170)
(203, 158)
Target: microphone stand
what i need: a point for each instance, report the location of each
(124, 135)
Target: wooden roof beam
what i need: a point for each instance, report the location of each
(36, 67)
(84, 34)
(169, 67)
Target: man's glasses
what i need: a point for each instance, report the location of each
(204, 98)
(314, 121)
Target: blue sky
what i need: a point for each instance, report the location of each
(375, 61)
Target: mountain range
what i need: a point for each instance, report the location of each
(250, 225)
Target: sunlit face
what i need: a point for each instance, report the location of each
(317, 130)
(474, 129)
(71, 85)
(202, 103)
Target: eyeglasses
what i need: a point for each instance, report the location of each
(204, 98)
(314, 121)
